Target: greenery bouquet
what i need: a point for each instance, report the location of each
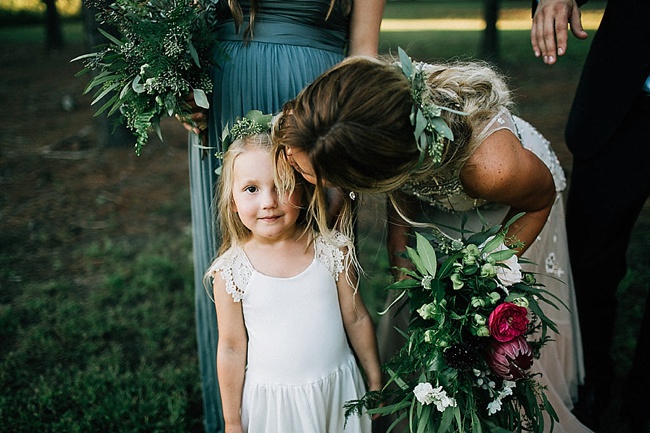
(165, 52)
(476, 328)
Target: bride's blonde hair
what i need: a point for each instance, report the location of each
(353, 122)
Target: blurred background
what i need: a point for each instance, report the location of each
(96, 299)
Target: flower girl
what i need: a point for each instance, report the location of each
(287, 305)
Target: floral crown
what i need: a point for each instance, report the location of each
(430, 129)
(254, 122)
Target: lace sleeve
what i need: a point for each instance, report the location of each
(235, 270)
(330, 252)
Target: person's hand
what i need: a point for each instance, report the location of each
(548, 34)
(198, 121)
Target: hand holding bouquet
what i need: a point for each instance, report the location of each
(165, 54)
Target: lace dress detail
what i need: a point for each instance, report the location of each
(330, 254)
(236, 270)
(450, 195)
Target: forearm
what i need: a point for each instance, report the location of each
(231, 366)
(526, 229)
(365, 23)
(364, 343)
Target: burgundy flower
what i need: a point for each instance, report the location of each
(508, 321)
(510, 359)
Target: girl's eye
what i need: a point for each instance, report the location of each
(250, 189)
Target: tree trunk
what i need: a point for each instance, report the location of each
(53, 30)
(109, 132)
(490, 43)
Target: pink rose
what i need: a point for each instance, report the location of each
(508, 321)
(510, 359)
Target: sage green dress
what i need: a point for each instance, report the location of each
(292, 44)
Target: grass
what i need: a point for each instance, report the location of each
(111, 346)
(116, 353)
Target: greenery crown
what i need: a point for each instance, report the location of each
(430, 129)
(254, 122)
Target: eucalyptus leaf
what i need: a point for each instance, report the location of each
(513, 219)
(201, 98)
(193, 53)
(415, 258)
(423, 422)
(534, 307)
(427, 254)
(502, 255)
(481, 237)
(493, 243)
(125, 91)
(156, 127)
(405, 61)
(447, 419)
(103, 93)
(110, 37)
(110, 102)
(441, 126)
(136, 84)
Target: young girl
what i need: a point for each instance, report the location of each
(368, 126)
(286, 306)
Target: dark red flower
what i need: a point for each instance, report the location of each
(511, 359)
(508, 321)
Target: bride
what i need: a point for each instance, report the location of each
(441, 141)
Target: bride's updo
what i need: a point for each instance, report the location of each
(354, 124)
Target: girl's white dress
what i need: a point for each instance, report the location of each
(300, 370)
(561, 362)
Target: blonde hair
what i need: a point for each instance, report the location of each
(353, 122)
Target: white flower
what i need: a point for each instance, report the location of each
(494, 406)
(423, 392)
(511, 274)
(426, 282)
(427, 394)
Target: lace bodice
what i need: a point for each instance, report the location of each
(236, 270)
(450, 195)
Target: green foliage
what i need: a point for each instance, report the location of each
(166, 52)
(475, 326)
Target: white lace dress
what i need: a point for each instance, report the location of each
(300, 370)
(561, 361)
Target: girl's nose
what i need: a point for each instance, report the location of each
(270, 200)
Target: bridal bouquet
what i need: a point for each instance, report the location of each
(476, 329)
(165, 52)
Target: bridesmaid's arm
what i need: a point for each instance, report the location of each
(502, 171)
(365, 21)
